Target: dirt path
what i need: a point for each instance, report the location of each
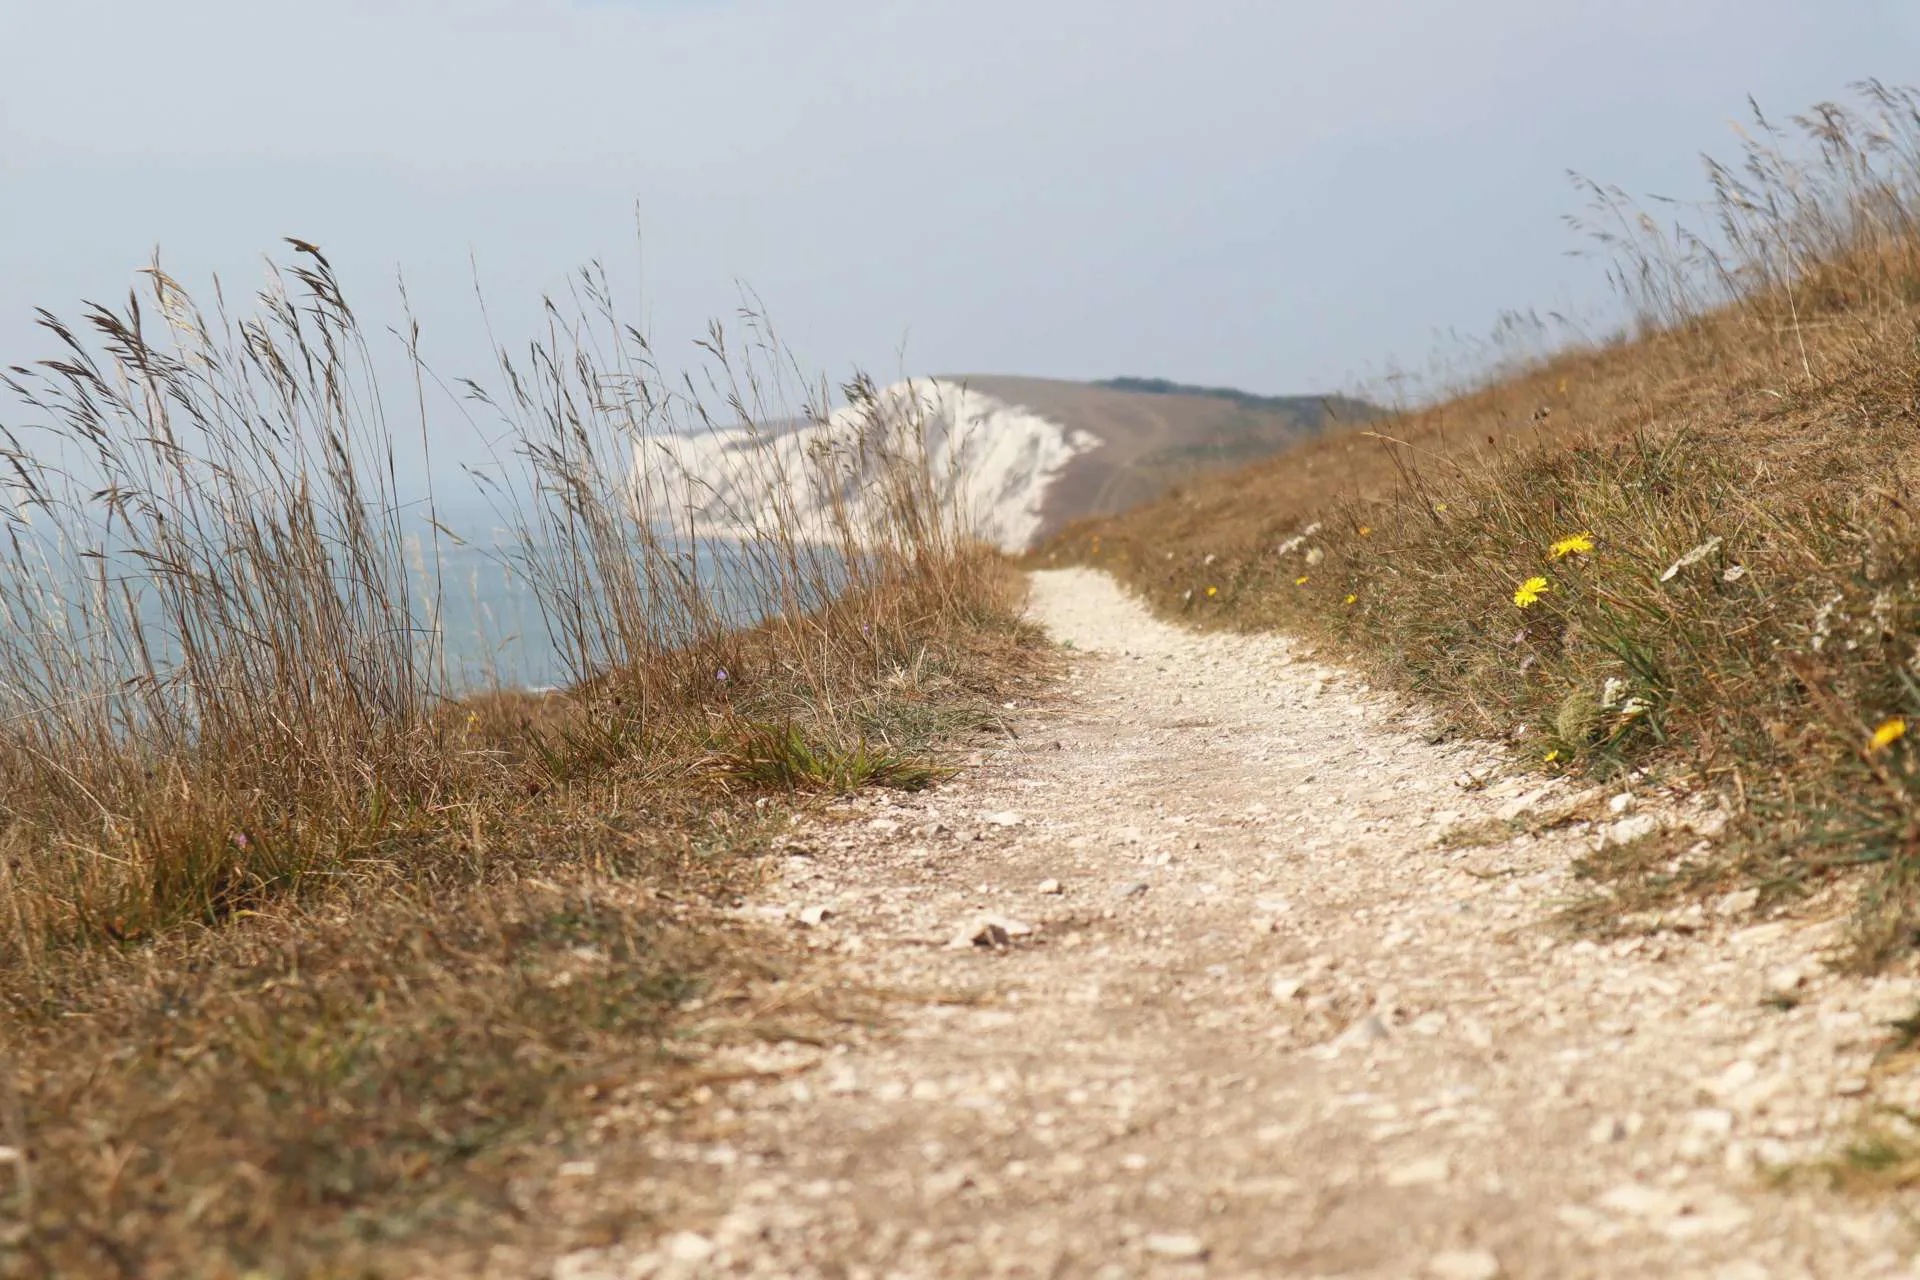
(1267, 1021)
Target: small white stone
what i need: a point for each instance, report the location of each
(594, 1264)
(990, 931)
(1738, 903)
(1606, 1130)
(1364, 1034)
(1464, 1264)
(1284, 988)
(1517, 807)
(1641, 1201)
(1635, 827)
(579, 1169)
(1424, 1172)
(815, 916)
(1176, 1247)
(1004, 818)
(1713, 1122)
(1620, 804)
(1851, 1086)
(1050, 887)
(1731, 1081)
(1787, 978)
(1709, 824)
(687, 1246)
(883, 826)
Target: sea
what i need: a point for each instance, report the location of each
(471, 601)
(493, 633)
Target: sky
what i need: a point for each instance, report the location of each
(1284, 197)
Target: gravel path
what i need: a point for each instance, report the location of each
(1238, 1006)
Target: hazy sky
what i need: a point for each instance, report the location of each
(1275, 195)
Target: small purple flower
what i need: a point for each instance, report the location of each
(721, 675)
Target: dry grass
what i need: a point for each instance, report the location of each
(1742, 464)
(303, 956)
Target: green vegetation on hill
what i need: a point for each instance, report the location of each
(1314, 410)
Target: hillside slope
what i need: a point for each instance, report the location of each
(1686, 557)
(1156, 435)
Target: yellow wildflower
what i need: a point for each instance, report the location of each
(1365, 531)
(1300, 581)
(1351, 599)
(1530, 591)
(1889, 732)
(1439, 506)
(1577, 545)
(1553, 755)
(1213, 591)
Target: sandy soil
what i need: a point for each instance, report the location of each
(1194, 983)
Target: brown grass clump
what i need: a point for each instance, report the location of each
(1691, 550)
(303, 953)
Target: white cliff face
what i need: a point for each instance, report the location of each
(986, 463)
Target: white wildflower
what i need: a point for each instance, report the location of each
(1692, 558)
(1882, 612)
(1612, 692)
(1297, 541)
(1823, 623)
(1635, 707)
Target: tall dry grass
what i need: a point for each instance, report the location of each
(215, 678)
(221, 679)
(305, 952)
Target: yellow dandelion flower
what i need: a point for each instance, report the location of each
(1552, 755)
(1351, 599)
(1213, 591)
(1365, 532)
(1300, 581)
(1439, 506)
(1577, 545)
(1889, 732)
(1530, 591)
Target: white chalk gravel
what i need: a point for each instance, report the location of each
(1193, 983)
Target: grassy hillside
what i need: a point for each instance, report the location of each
(1691, 552)
(1158, 435)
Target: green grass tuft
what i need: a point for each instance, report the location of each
(782, 757)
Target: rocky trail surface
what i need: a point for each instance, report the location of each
(1222, 968)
